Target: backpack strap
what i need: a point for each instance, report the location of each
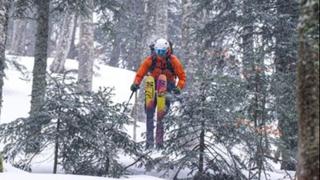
(154, 62)
(169, 65)
(168, 58)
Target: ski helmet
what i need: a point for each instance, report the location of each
(161, 47)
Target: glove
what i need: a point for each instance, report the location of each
(134, 87)
(176, 90)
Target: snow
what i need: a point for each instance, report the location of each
(17, 90)
(29, 176)
(12, 173)
(16, 103)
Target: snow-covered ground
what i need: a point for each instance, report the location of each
(16, 103)
(12, 173)
(17, 90)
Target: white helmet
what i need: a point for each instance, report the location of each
(161, 47)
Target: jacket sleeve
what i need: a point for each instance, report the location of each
(143, 69)
(178, 69)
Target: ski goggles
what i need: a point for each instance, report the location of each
(161, 52)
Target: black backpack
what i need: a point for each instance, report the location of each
(154, 58)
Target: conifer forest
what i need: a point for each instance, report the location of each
(159, 89)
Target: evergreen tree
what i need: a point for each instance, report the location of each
(201, 130)
(285, 80)
(251, 30)
(254, 73)
(86, 130)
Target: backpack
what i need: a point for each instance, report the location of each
(154, 59)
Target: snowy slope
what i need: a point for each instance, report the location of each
(12, 173)
(16, 103)
(17, 92)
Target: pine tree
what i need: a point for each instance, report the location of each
(254, 71)
(201, 130)
(308, 91)
(86, 131)
(247, 28)
(285, 80)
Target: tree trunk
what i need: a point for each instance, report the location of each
(4, 9)
(56, 148)
(247, 45)
(185, 45)
(252, 75)
(201, 150)
(1, 164)
(115, 54)
(73, 52)
(29, 38)
(136, 46)
(308, 91)
(85, 57)
(64, 42)
(150, 22)
(162, 19)
(40, 58)
(16, 45)
(40, 64)
(200, 175)
(147, 38)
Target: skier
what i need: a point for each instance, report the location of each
(162, 69)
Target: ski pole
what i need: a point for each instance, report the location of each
(125, 107)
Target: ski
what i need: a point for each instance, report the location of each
(149, 93)
(161, 108)
(161, 96)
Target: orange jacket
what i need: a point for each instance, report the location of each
(161, 62)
